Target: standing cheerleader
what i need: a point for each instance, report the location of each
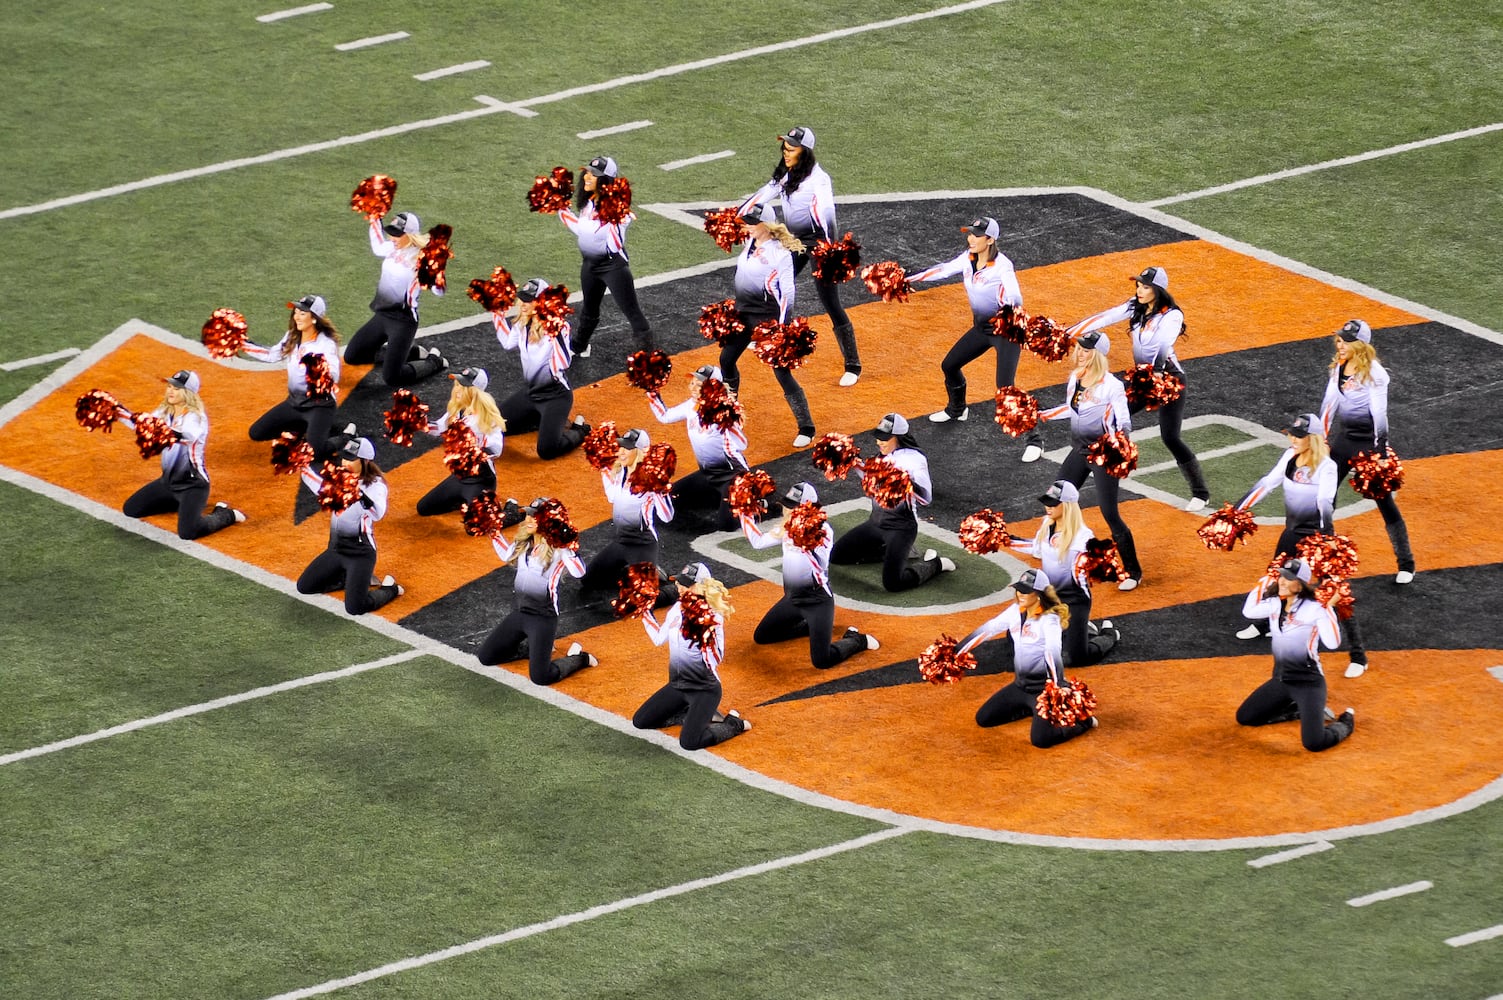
(387, 336)
(809, 209)
(693, 688)
(1155, 322)
(634, 515)
(887, 536)
(1300, 625)
(764, 291)
(1035, 622)
(990, 284)
(718, 450)
(807, 606)
(1096, 403)
(532, 626)
(349, 562)
(305, 411)
(1059, 547)
(1355, 415)
(605, 265)
(184, 483)
(472, 406)
(544, 402)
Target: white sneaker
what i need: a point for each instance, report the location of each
(1095, 722)
(401, 590)
(946, 564)
(1195, 504)
(1251, 632)
(1131, 583)
(943, 416)
(388, 581)
(802, 441)
(1355, 669)
(931, 554)
(1404, 576)
(574, 649)
(1032, 453)
(349, 431)
(850, 378)
(872, 643)
(586, 352)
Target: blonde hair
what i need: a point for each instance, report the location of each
(1359, 359)
(716, 595)
(468, 399)
(627, 459)
(191, 402)
(1316, 451)
(1094, 370)
(1066, 527)
(785, 236)
(528, 540)
(1050, 604)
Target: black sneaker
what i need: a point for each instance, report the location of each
(738, 724)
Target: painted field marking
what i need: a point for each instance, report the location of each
(500, 105)
(434, 74)
(279, 15)
(365, 43)
(613, 130)
(605, 909)
(1394, 893)
(1486, 934)
(40, 359)
(704, 158)
(209, 706)
(1496, 672)
(1290, 855)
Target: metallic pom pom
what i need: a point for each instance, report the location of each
(805, 526)
(648, 370)
(435, 257)
(600, 447)
(640, 585)
(613, 200)
(153, 435)
(1011, 324)
(885, 482)
(551, 194)
(374, 195)
(1101, 561)
(697, 620)
(407, 416)
(655, 472)
(784, 345)
(97, 410)
(940, 664)
(835, 455)
(555, 528)
(1065, 706)
(1337, 595)
(887, 281)
(1331, 557)
(1225, 528)
(836, 261)
(1048, 339)
(1151, 389)
(1375, 476)
(1017, 411)
(724, 227)
(551, 310)
(462, 452)
(496, 293)
(290, 454)
(720, 322)
(484, 516)
(320, 379)
(716, 407)
(224, 333)
(1115, 452)
(749, 492)
(340, 488)
(984, 532)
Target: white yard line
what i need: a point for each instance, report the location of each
(209, 706)
(594, 912)
(434, 74)
(613, 130)
(1290, 855)
(279, 15)
(499, 105)
(1394, 893)
(365, 43)
(40, 359)
(692, 160)
(1486, 934)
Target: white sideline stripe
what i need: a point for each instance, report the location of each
(312, 8)
(40, 359)
(613, 130)
(1344, 161)
(1486, 934)
(209, 706)
(1394, 893)
(499, 105)
(691, 161)
(562, 95)
(434, 74)
(1290, 855)
(605, 909)
(1496, 672)
(365, 43)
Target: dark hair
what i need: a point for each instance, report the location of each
(1162, 302)
(794, 176)
(320, 323)
(581, 195)
(370, 471)
(907, 440)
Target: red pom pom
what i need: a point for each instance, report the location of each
(784, 345)
(749, 492)
(1065, 706)
(940, 664)
(1011, 324)
(1225, 528)
(1151, 389)
(640, 586)
(716, 407)
(1048, 339)
(805, 526)
(1337, 595)
(613, 200)
(720, 322)
(600, 446)
(1017, 411)
(407, 416)
(836, 261)
(1101, 561)
(435, 257)
(484, 516)
(153, 435)
(462, 452)
(551, 194)
(697, 621)
(374, 195)
(985, 532)
(1375, 476)
(224, 333)
(496, 293)
(340, 488)
(835, 455)
(648, 370)
(97, 410)
(1115, 453)
(1331, 557)
(724, 227)
(887, 281)
(555, 528)
(320, 379)
(290, 454)
(551, 310)
(884, 482)
(655, 472)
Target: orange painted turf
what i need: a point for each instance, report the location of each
(1168, 762)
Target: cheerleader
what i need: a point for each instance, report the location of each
(544, 402)
(692, 694)
(602, 245)
(720, 452)
(1354, 414)
(532, 626)
(764, 291)
(887, 536)
(184, 483)
(1300, 625)
(1155, 322)
(1035, 622)
(387, 336)
(1060, 548)
(349, 562)
(1095, 403)
(809, 208)
(472, 406)
(990, 284)
(807, 607)
(304, 412)
(634, 515)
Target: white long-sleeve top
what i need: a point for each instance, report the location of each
(544, 361)
(1092, 412)
(1297, 633)
(634, 515)
(596, 238)
(297, 375)
(988, 288)
(714, 449)
(808, 210)
(398, 285)
(1309, 494)
(764, 273)
(184, 459)
(690, 665)
(802, 571)
(1036, 644)
(1357, 405)
(356, 520)
(1152, 340)
(1058, 570)
(536, 586)
(920, 493)
(491, 443)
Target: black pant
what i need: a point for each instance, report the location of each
(1080, 648)
(1075, 469)
(596, 274)
(1343, 449)
(707, 490)
(1014, 702)
(1171, 420)
(504, 644)
(312, 422)
(454, 492)
(395, 328)
(700, 730)
(606, 568)
(159, 497)
(972, 344)
(734, 347)
(867, 543)
(548, 414)
(347, 564)
(1273, 700)
(810, 616)
(829, 298)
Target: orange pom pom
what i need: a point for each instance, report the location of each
(655, 472)
(97, 410)
(1017, 411)
(716, 407)
(985, 532)
(551, 310)
(836, 261)
(462, 452)
(1048, 339)
(939, 663)
(407, 416)
(613, 200)
(835, 455)
(224, 333)
(886, 483)
(551, 194)
(648, 370)
(1115, 452)
(340, 488)
(724, 227)
(600, 446)
(484, 516)
(496, 293)
(720, 322)
(1375, 476)
(1225, 528)
(1151, 389)
(749, 492)
(1011, 324)
(374, 195)
(784, 345)
(555, 528)
(640, 586)
(290, 454)
(1065, 706)
(435, 257)
(153, 435)
(887, 281)
(805, 526)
